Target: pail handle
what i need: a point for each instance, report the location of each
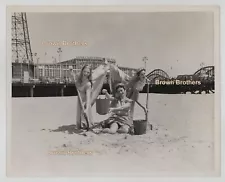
(100, 97)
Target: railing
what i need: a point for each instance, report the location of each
(68, 89)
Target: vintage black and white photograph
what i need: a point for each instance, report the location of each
(117, 92)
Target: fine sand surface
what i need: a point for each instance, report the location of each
(181, 142)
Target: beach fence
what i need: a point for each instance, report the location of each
(21, 89)
(45, 90)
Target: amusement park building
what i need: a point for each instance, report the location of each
(60, 71)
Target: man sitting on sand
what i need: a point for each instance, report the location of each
(119, 121)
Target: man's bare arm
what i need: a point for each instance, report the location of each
(108, 96)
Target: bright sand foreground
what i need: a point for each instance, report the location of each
(181, 142)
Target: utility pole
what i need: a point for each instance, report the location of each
(35, 74)
(37, 68)
(55, 70)
(60, 69)
(144, 59)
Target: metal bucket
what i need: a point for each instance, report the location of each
(140, 127)
(102, 106)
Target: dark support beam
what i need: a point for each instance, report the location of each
(62, 90)
(32, 91)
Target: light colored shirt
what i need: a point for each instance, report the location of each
(115, 103)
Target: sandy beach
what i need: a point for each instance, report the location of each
(45, 143)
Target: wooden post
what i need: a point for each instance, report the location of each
(62, 90)
(32, 91)
(150, 125)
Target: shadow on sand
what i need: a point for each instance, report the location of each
(71, 129)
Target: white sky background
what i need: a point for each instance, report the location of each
(174, 42)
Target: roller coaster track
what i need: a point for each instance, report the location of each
(208, 70)
(159, 74)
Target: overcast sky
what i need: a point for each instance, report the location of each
(175, 42)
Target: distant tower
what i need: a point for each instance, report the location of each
(21, 48)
